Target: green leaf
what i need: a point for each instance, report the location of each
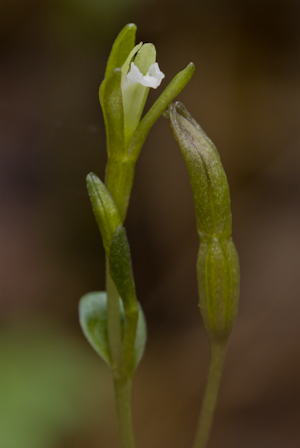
(208, 178)
(104, 208)
(121, 268)
(140, 337)
(122, 275)
(170, 92)
(110, 96)
(93, 321)
(121, 48)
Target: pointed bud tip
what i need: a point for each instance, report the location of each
(90, 177)
(190, 68)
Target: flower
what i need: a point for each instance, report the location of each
(139, 73)
(130, 71)
(153, 77)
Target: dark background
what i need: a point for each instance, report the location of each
(54, 391)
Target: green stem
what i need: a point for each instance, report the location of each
(122, 384)
(217, 355)
(113, 320)
(118, 180)
(123, 393)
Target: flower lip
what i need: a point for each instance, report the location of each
(153, 77)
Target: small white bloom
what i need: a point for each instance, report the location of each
(135, 85)
(153, 77)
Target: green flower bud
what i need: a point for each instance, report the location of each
(208, 179)
(105, 211)
(217, 265)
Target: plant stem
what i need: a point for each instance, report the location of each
(113, 319)
(217, 355)
(122, 384)
(118, 175)
(123, 393)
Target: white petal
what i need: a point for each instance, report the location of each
(153, 77)
(134, 76)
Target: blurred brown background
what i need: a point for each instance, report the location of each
(54, 391)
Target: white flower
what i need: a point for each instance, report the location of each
(135, 85)
(153, 77)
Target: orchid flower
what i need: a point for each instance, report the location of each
(131, 70)
(137, 78)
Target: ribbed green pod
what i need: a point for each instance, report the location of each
(217, 265)
(218, 285)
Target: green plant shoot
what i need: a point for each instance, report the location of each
(113, 321)
(217, 265)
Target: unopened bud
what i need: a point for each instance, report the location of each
(217, 265)
(105, 211)
(208, 179)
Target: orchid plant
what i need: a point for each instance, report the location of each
(113, 321)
